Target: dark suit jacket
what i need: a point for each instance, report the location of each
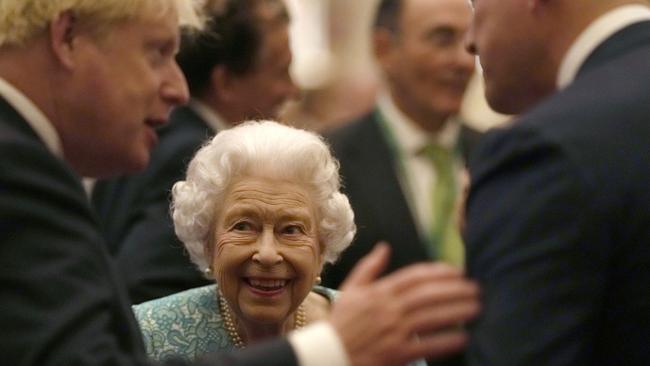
(380, 207)
(61, 302)
(134, 211)
(558, 228)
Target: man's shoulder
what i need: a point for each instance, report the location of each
(613, 100)
(352, 129)
(598, 125)
(353, 135)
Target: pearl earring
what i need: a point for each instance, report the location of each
(318, 280)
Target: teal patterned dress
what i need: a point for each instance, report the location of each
(188, 324)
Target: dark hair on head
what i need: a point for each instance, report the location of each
(388, 14)
(232, 37)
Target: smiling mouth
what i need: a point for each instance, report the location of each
(266, 285)
(155, 122)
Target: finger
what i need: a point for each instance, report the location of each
(436, 345)
(417, 275)
(439, 292)
(368, 268)
(448, 315)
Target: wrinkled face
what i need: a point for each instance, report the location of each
(264, 89)
(427, 66)
(265, 250)
(125, 86)
(508, 39)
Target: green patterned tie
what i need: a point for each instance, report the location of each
(444, 232)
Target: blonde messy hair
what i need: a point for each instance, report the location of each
(24, 20)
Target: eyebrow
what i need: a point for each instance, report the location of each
(300, 214)
(240, 210)
(441, 29)
(247, 210)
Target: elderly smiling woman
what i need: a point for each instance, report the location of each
(260, 212)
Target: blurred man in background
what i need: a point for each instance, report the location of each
(401, 164)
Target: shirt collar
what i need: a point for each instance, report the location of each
(595, 34)
(408, 135)
(34, 117)
(209, 115)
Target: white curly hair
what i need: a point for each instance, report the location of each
(260, 149)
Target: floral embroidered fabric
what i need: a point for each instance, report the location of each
(188, 324)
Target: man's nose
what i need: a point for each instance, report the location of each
(174, 90)
(464, 58)
(469, 41)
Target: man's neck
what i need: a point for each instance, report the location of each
(226, 111)
(426, 120)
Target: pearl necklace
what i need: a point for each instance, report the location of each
(300, 321)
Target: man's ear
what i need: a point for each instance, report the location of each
(383, 42)
(223, 83)
(62, 33)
